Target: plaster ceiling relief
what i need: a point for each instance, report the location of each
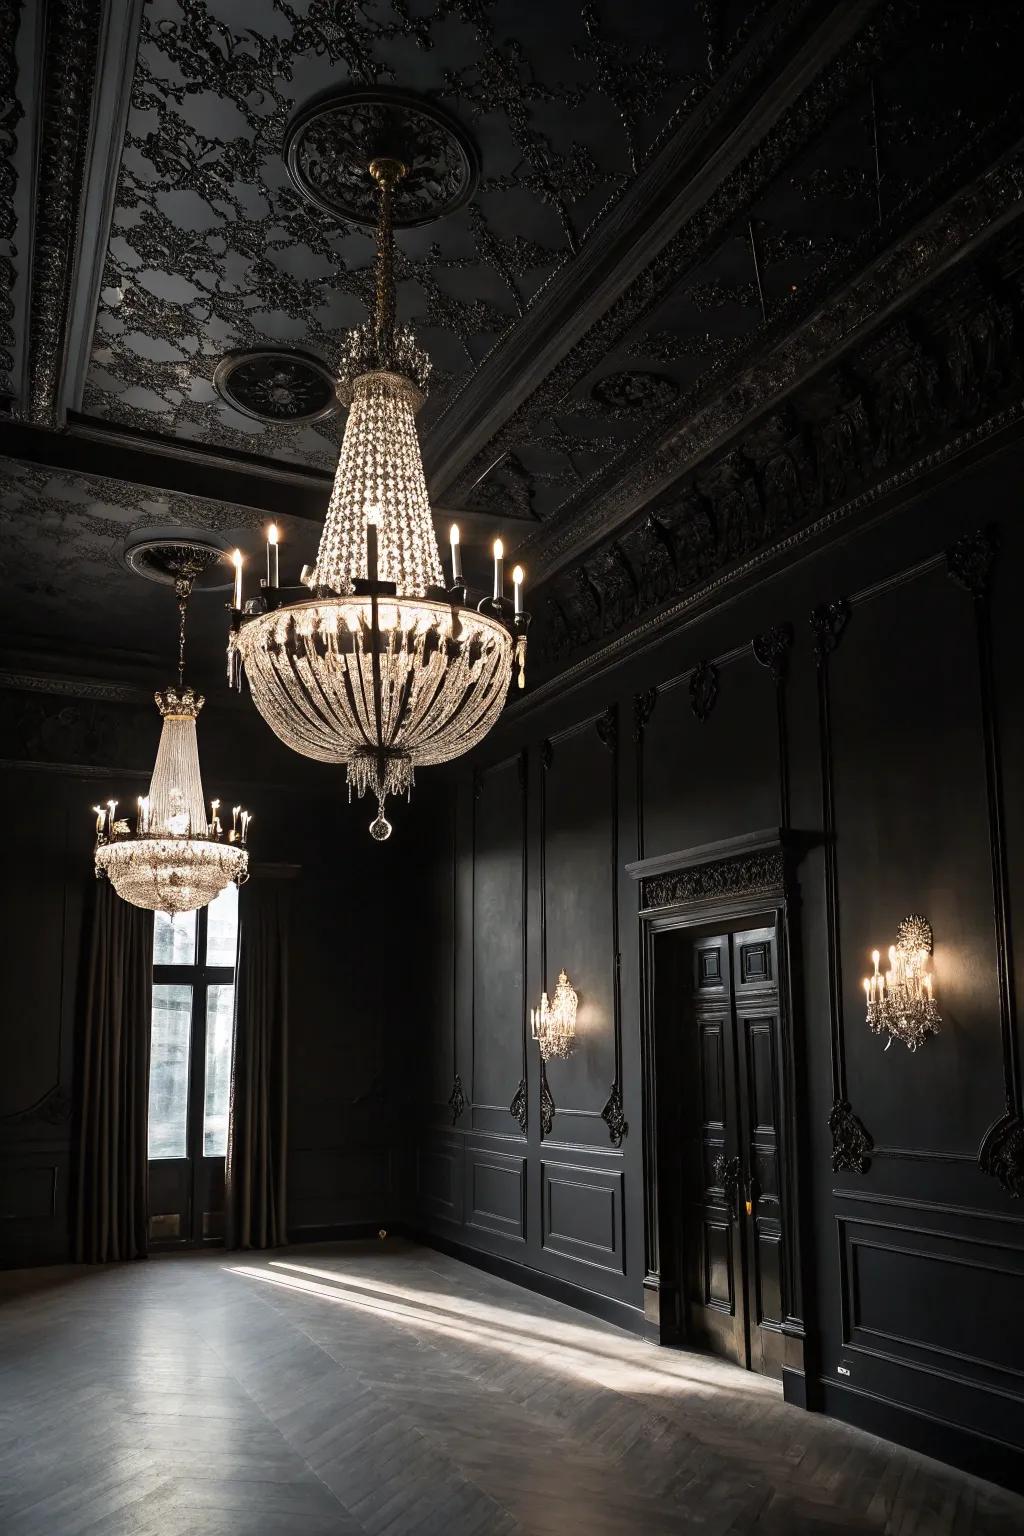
(213, 250)
(62, 563)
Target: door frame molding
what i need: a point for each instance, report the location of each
(729, 884)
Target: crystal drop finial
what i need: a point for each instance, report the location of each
(380, 827)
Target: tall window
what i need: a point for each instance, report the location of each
(190, 1039)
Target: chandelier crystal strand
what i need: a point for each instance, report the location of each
(377, 666)
(175, 860)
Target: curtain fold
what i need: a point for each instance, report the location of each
(254, 1175)
(111, 1216)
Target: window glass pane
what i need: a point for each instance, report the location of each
(220, 1009)
(174, 938)
(222, 927)
(168, 1070)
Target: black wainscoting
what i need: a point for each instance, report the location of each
(867, 703)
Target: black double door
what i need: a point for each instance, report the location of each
(732, 1227)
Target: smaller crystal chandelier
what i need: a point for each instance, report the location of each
(900, 1001)
(553, 1024)
(175, 860)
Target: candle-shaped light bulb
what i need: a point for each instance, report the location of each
(101, 816)
(867, 990)
(111, 808)
(236, 561)
(273, 569)
(875, 956)
(892, 954)
(499, 560)
(234, 817)
(517, 583)
(456, 556)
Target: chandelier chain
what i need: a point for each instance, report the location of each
(386, 172)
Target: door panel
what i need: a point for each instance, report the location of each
(713, 1264)
(732, 1221)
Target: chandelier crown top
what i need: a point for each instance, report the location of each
(179, 704)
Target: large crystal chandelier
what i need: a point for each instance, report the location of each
(374, 662)
(175, 859)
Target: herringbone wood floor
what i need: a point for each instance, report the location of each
(386, 1390)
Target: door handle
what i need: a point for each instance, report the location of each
(727, 1172)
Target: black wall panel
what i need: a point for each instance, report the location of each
(875, 745)
(579, 916)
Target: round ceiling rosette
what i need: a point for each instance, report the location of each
(332, 140)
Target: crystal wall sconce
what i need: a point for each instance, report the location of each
(553, 1024)
(900, 1000)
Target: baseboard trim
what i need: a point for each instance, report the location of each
(607, 1308)
(997, 1460)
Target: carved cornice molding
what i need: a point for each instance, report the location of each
(760, 873)
(895, 396)
(647, 632)
(75, 687)
(70, 46)
(763, 376)
(11, 113)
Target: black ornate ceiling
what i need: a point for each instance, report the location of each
(712, 272)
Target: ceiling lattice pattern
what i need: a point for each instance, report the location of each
(212, 249)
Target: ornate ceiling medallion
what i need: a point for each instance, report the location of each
(277, 386)
(624, 393)
(334, 138)
(167, 554)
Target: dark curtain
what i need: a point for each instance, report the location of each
(254, 1193)
(114, 1106)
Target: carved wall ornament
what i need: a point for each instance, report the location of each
(607, 726)
(828, 620)
(771, 649)
(643, 709)
(753, 874)
(703, 689)
(54, 1108)
(614, 1117)
(852, 1146)
(547, 1105)
(457, 1100)
(332, 140)
(1002, 1154)
(275, 385)
(519, 1107)
(970, 560)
